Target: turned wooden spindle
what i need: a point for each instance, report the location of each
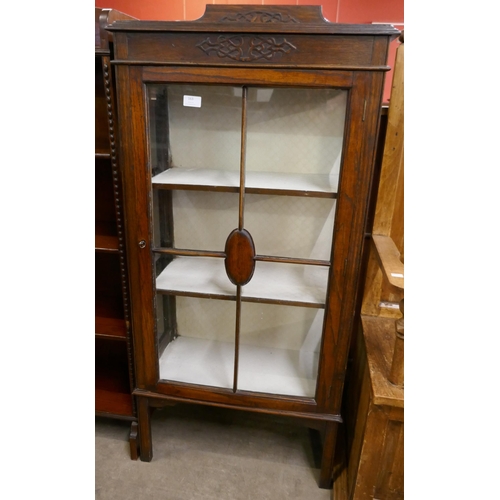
(396, 376)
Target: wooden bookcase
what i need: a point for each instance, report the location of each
(113, 343)
(247, 142)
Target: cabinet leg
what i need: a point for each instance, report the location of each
(326, 474)
(133, 440)
(144, 418)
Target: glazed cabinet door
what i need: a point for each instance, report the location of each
(241, 233)
(244, 184)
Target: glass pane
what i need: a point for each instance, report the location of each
(279, 349)
(194, 220)
(195, 127)
(290, 226)
(196, 340)
(195, 276)
(295, 131)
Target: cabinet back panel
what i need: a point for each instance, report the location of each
(101, 115)
(298, 227)
(104, 194)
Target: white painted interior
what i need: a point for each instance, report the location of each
(312, 183)
(297, 227)
(271, 281)
(279, 346)
(293, 131)
(294, 142)
(211, 363)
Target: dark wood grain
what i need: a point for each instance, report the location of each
(250, 190)
(243, 155)
(237, 329)
(101, 119)
(240, 257)
(112, 388)
(113, 350)
(237, 46)
(247, 76)
(217, 18)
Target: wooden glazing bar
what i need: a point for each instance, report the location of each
(279, 183)
(290, 260)
(263, 258)
(189, 253)
(283, 302)
(198, 187)
(248, 189)
(201, 295)
(237, 337)
(291, 192)
(261, 300)
(243, 157)
(273, 283)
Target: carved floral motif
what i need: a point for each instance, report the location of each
(245, 49)
(259, 16)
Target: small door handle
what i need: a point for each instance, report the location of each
(142, 244)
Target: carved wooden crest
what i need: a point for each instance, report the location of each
(259, 16)
(246, 48)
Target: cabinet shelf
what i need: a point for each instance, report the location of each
(112, 386)
(110, 328)
(106, 238)
(261, 369)
(102, 154)
(109, 317)
(273, 283)
(315, 185)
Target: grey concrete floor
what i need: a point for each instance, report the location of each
(210, 454)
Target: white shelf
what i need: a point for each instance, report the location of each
(277, 371)
(269, 181)
(198, 177)
(198, 361)
(261, 369)
(272, 282)
(196, 276)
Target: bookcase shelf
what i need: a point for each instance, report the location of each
(321, 186)
(113, 347)
(273, 283)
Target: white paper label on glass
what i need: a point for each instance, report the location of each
(192, 101)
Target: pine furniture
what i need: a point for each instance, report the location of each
(373, 466)
(247, 141)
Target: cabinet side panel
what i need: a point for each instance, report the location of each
(355, 184)
(136, 183)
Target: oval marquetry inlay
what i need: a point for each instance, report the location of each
(240, 254)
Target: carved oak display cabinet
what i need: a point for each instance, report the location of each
(247, 141)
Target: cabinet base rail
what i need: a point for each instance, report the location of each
(326, 424)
